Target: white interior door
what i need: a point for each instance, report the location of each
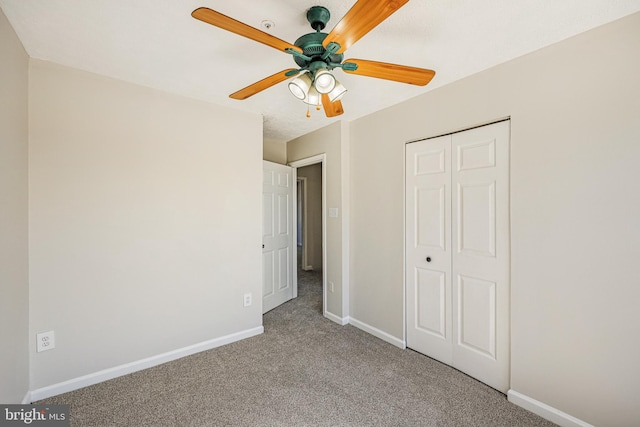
(278, 247)
(458, 309)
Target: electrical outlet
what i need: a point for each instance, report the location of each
(331, 287)
(247, 300)
(45, 341)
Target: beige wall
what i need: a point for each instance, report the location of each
(313, 174)
(145, 224)
(14, 279)
(274, 151)
(331, 141)
(575, 181)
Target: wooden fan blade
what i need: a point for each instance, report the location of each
(331, 109)
(361, 18)
(222, 21)
(398, 73)
(262, 85)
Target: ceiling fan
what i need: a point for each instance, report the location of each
(316, 54)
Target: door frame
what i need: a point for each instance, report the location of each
(320, 158)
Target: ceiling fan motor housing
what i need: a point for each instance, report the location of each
(311, 45)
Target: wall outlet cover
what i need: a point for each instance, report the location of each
(45, 341)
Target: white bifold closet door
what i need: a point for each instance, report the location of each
(457, 251)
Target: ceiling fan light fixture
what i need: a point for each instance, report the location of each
(338, 92)
(324, 81)
(300, 86)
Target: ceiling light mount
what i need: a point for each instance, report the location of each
(318, 17)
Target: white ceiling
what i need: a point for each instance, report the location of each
(156, 43)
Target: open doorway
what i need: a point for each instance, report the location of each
(309, 222)
(309, 227)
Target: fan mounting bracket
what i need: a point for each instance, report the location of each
(349, 66)
(330, 49)
(297, 54)
(318, 16)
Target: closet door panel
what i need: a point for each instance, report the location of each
(480, 256)
(428, 248)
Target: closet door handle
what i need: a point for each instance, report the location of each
(428, 259)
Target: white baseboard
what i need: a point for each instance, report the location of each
(27, 398)
(128, 368)
(339, 320)
(545, 411)
(378, 333)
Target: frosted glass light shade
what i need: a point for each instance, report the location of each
(299, 86)
(324, 81)
(338, 92)
(313, 97)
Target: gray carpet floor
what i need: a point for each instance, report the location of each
(303, 371)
